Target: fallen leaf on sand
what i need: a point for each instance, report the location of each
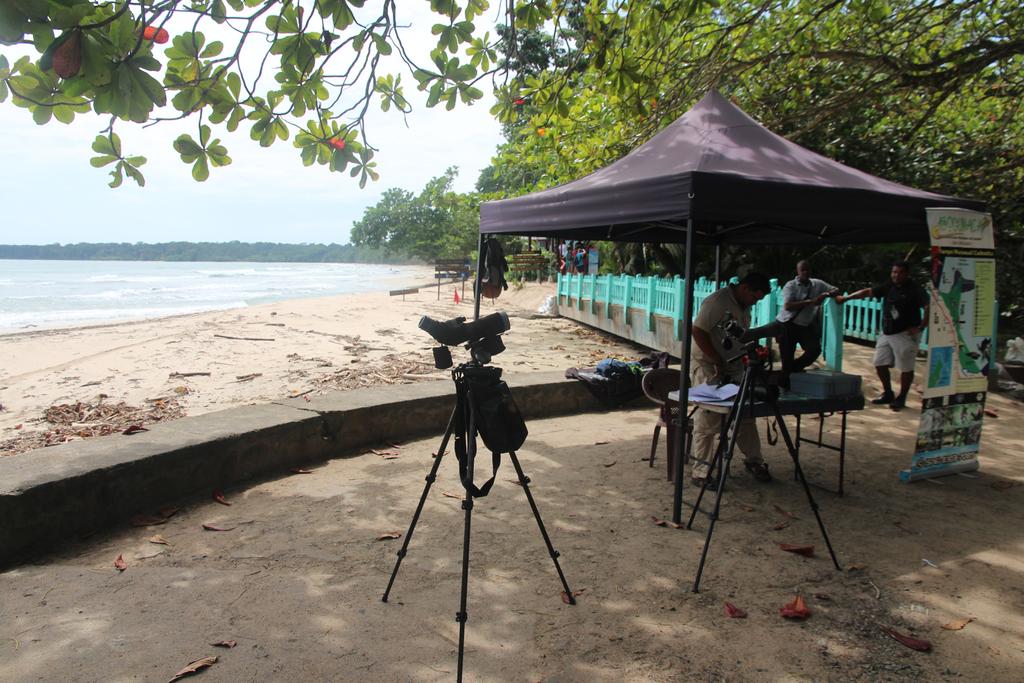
(664, 522)
(787, 513)
(610, 464)
(575, 594)
(159, 540)
(300, 470)
(600, 443)
(734, 612)
(135, 429)
(167, 512)
(908, 641)
(214, 527)
(225, 643)
(389, 536)
(856, 567)
(805, 550)
(219, 497)
(780, 526)
(991, 413)
(382, 453)
(958, 625)
(193, 667)
(120, 563)
(825, 597)
(449, 494)
(746, 508)
(797, 609)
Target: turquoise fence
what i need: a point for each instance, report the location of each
(658, 296)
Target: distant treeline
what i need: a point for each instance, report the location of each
(200, 251)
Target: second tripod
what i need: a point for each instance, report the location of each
(754, 392)
(476, 386)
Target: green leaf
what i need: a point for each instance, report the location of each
(100, 161)
(135, 175)
(186, 146)
(201, 169)
(213, 49)
(117, 175)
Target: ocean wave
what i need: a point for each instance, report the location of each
(12, 322)
(127, 278)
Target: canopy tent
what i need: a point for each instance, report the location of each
(737, 182)
(716, 176)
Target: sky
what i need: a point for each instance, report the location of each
(51, 194)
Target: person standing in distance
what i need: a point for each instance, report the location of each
(801, 316)
(902, 323)
(711, 360)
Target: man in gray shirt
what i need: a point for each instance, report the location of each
(801, 318)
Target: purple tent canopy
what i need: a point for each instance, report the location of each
(737, 182)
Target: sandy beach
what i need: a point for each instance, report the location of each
(97, 379)
(295, 576)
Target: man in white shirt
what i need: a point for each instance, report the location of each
(801, 317)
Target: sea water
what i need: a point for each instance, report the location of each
(49, 294)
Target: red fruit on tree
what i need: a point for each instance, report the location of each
(337, 143)
(157, 35)
(520, 102)
(67, 59)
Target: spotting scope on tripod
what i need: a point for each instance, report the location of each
(759, 388)
(483, 407)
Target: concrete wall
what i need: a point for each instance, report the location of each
(83, 486)
(658, 332)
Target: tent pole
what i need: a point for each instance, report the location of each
(684, 381)
(718, 264)
(477, 287)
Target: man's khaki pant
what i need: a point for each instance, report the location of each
(707, 426)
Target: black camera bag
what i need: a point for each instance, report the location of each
(498, 419)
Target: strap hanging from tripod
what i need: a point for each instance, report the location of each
(465, 445)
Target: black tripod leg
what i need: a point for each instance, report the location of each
(716, 461)
(723, 440)
(525, 481)
(793, 453)
(419, 508)
(742, 398)
(463, 615)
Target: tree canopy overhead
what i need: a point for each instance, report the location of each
(299, 70)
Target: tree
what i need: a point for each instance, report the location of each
(437, 223)
(306, 70)
(923, 93)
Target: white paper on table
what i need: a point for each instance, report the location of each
(710, 392)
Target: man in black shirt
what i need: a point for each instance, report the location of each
(902, 323)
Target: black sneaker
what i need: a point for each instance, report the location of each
(898, 403)
(759, 470)
(887, 397)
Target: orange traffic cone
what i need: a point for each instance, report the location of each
(457, 299)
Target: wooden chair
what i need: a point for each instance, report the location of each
(656, 384)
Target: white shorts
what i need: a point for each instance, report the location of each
(898, 350)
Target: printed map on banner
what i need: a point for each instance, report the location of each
(961, 324)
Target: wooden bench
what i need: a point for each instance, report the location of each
(403, 292)
(529, 262)
(452, 269)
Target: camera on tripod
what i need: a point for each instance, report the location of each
(757, 359)
(482, 337)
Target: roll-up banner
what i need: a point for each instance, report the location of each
(961, 330)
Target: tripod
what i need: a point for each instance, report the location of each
(744, 401)
(463, 425)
